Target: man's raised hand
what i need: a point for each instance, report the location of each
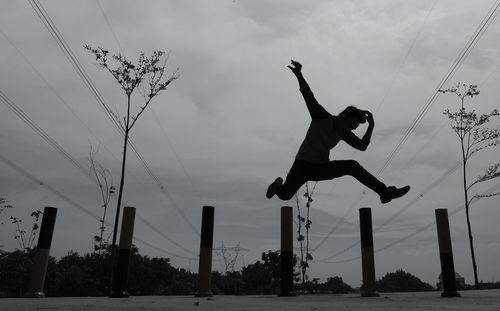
(369, 117)
(296, 66)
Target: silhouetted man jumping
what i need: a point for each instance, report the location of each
(325, 131)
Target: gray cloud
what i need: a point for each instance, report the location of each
(235, 119)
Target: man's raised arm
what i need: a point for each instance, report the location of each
(315, 109)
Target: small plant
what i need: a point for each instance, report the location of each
(26, 241)
(305, 255)
(106, 189)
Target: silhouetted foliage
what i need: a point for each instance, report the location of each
(401, 281)
(337, 286)
(258, 279)
(14, 273)
(333, 285)
(76, 275)
(155, 276)
(26, 240)
(15, 266)
(231, 283)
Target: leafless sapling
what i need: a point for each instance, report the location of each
(104, 180)
(149, 76)
(474, 136)
(148, 73)
(305, 255)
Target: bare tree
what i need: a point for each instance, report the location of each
(106, 189)
(148, 75)
(474, 136)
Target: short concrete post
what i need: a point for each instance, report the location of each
(367, 257)
(120, 281)
(286, 252)
(206, 245)
(446, 254)
(41, 260)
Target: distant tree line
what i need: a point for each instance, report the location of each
(88, 275)
(76, 275)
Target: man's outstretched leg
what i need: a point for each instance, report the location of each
(303, 171)
(334, 169)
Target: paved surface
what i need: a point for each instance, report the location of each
(470, 300)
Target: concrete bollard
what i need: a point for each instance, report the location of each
(367, 256)
(206, 245)
(446, 254)
(120, 281)
(286, 252)
(41, 260)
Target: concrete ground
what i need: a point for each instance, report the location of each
(470, 300)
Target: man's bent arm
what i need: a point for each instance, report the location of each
(355, 142)
(368, 135)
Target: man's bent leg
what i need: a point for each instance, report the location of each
(297, 176)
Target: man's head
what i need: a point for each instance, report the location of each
(353, 117)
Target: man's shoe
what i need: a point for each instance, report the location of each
(393, 193)
(274, 187)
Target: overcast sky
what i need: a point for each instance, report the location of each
(234, 120)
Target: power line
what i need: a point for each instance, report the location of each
(169, 142)
(112, 116)
(164, 251)
(421, 229)
(337, 225)
(51, 27)
(41, 183)
(49, 140)
(68, 53)
(109, 24)
(396, 74)
(483, 26)
(176, 155)
(59, 97)
(59, 194)
(18, 111)
(429, 188)
(147, 223)
(162, 188)
(449, 74)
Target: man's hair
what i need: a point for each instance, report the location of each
(352, 112)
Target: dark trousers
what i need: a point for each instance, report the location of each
(303, 171)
